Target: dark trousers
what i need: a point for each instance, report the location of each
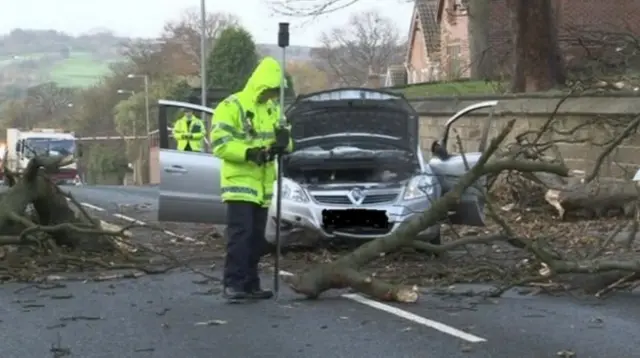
(188, 148)
(245, 245)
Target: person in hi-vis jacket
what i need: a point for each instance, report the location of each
(247, 137)
(188, 131)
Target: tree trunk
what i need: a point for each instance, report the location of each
(482, 62)
(537, 63)
(55, 217)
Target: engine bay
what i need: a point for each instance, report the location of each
(347, 176)
(361, 166)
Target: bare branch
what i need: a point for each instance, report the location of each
(367, 44)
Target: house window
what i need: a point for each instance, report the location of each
(454, 61)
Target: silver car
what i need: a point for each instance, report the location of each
(357, 171)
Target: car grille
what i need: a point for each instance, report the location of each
(344, 200)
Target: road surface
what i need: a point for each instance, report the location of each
(176, 315)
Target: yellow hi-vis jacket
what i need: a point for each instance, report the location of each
(181, 133)
(240, 123)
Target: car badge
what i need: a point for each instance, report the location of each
(356, 195)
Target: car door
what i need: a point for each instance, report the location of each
(189, 181)
(449, 169)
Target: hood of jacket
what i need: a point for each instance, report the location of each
(267, 75)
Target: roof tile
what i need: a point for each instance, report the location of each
(428, 16)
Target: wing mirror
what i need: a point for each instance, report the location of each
(79, 150)
(439, 150)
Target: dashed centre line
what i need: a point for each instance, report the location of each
(90, 206)
(139, 222)
(439, 326)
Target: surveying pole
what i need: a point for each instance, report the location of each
(283, 43)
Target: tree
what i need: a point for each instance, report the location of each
(48, 99)
(182, 37)
(14, 113)
(147, 56)
(478, 26)
(537, 62)
(232, 59)
(308, 7)
(369, 42)
(306, 77)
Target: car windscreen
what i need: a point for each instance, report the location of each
(49, 146)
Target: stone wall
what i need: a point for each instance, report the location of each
(531, 112)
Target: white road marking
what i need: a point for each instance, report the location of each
(166, 232)
(351, 296)
(129, 219)
(90, 206)
(415, 318)
(408, 315)
(136, 221)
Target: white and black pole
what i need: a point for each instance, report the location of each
(283, 43)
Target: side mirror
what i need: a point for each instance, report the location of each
(79, 150)
(18, 147)
(439, 150)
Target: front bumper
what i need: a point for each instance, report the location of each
(301, 223)
(65, 175)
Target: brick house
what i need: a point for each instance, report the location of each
(439, 36)
(422, 60)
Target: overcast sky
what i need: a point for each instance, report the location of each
(145, 18)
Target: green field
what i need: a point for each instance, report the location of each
(81, 69)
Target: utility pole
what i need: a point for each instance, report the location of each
(203, 67)
(145, 153)
(134, 148)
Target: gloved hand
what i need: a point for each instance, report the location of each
(258, 155)
(283, 136)
(275, 150)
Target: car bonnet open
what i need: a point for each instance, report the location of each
(343, 113)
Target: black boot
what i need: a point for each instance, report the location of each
(260, 294)
(257, 293)
(233, 295)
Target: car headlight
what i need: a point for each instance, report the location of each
(293, 192)
(420, 187)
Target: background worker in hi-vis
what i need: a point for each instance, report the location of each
(188, 131)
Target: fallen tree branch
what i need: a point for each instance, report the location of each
(327, 276)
